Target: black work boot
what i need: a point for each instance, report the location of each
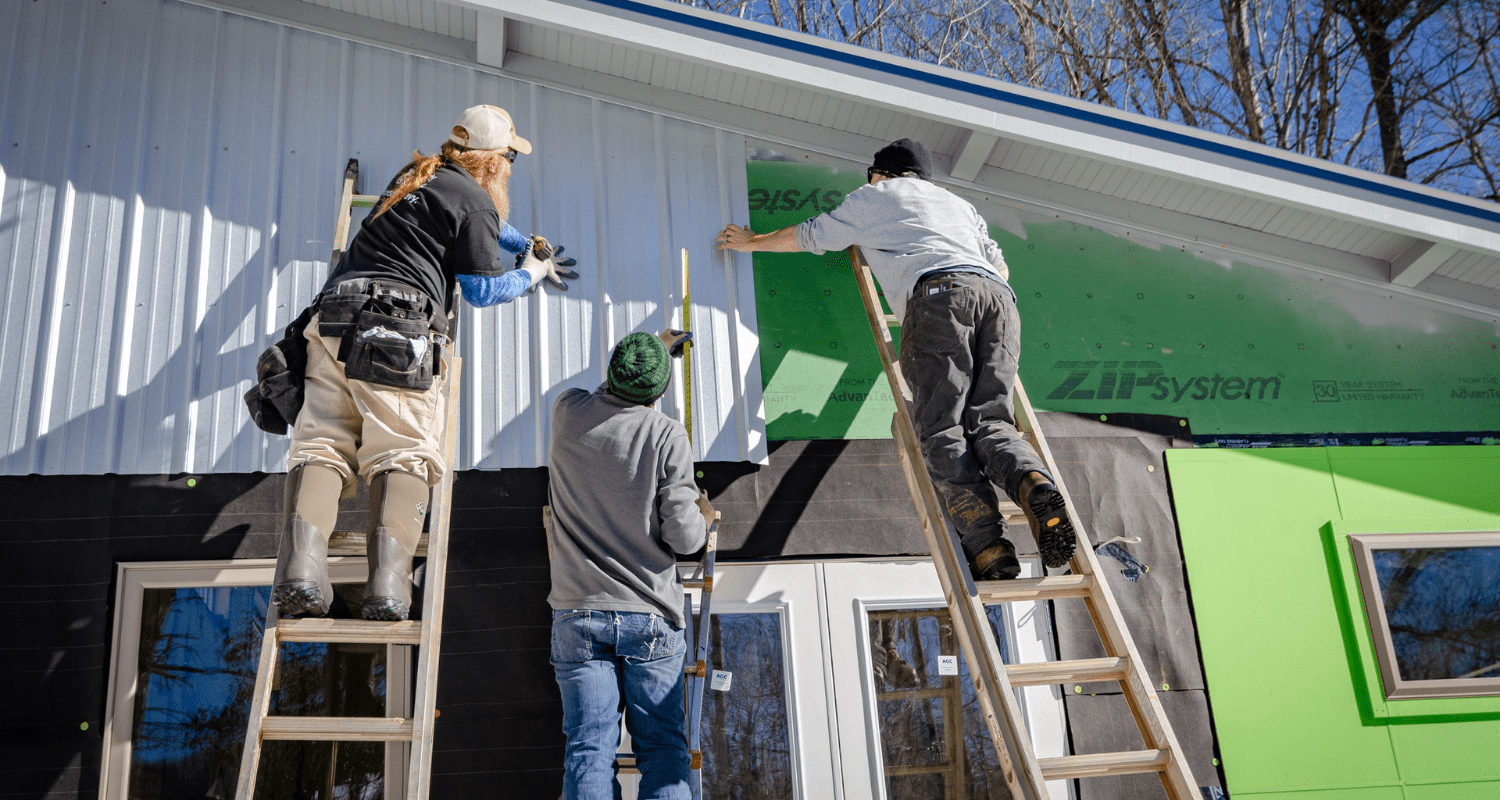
(1048, 515)
(996, 563)
(301, 585)
(398, 505)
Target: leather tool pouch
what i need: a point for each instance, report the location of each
(276, 398)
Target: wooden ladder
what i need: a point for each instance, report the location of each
(424, 634)
(994, 681)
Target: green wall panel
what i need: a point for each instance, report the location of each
(1362, 793)
(1284, 639)
(1454, 791)
(1269, 633)
(1112, 324)
(1446, 483)
(1443, 752)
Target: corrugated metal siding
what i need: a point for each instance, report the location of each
(169, 180)
(426, 15)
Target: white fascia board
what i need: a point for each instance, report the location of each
(1021, 114)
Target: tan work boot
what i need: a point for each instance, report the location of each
(997, 562)
(1048, 515)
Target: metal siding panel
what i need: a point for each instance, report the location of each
(191, 238)
(38, 95)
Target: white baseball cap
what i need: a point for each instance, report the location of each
(487, 128)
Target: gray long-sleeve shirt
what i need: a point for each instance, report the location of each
(905, 227)
(623, 503)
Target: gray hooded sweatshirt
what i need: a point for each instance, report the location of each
(623, 504)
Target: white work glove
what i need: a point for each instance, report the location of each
(542, 260)
(706, 509)
(674, 340)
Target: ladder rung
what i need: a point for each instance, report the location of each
(1099, 765)
(344, 631)
(1054, 672)
(364, 201)
(891, 321)
(699, 584)
(343, 729)
(1056, 587)
(352, 543)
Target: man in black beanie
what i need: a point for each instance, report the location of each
(960, 339)
(624, 503)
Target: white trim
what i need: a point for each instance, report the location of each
(1418, 261)
(854, 589)
(132, 580)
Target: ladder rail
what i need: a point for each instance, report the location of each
(1001, 712)
(966, 605)
(1176, 777)
(414, 732)
(435, 582)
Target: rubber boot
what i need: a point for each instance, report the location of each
(311, 508)
(1048, 516)
(398, 505)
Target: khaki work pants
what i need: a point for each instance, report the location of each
(364, 429)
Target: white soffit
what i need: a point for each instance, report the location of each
(832, 99)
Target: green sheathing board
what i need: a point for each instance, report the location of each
(1285, 646)
(1111, 324)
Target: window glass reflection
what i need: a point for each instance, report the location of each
(934, 743)
(746, 740)
(196, 675)
(1443, 609)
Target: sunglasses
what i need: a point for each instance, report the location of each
(871, 172)
(510, 155)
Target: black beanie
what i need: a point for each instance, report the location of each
(904, 155)
(639, 368)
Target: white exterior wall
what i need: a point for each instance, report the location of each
(170, 179)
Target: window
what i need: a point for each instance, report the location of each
(1433, 606)
(933, 738)
(187, 638)
(747, 746)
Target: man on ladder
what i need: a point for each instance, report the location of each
(624, 503)
(960, 339)
(373, 392)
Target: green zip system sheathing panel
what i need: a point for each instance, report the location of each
(1112, 324)
(1285, 644)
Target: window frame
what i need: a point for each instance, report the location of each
(1363, 547)
(132, 581)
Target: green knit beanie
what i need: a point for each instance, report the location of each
(639, 368)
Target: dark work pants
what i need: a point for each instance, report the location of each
(960, 342)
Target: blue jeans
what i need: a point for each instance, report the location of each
(609, 662)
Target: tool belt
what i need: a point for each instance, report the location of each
(388, 334)
(276, 397)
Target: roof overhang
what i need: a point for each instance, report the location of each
(997, 142)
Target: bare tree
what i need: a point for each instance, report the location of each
(1410, 88)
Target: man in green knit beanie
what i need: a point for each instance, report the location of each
(624, 504)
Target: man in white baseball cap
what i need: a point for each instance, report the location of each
(488, 128)
(373, 406)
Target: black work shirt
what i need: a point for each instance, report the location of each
(447, 227)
